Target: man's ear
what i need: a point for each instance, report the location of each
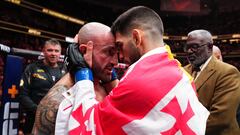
(86, 50)
(137, 36)
(83, 48)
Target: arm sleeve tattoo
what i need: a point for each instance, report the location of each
(47, 111)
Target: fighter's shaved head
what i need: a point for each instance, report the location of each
(93, 31)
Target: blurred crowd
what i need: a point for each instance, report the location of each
(221, 23)
(217, 23)
(177, 25)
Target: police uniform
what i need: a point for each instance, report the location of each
(36, 80)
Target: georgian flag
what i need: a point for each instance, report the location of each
(156, 96)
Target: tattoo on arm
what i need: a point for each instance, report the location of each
(47, 111)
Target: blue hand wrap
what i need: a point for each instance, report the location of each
(83, 74)
(114, 75)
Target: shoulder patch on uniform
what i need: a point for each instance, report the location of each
(40, 70)
(36, 75)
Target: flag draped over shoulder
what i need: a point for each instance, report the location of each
(155, 96)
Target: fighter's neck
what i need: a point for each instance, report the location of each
(99, 90)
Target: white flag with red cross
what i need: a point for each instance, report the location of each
(156, 96)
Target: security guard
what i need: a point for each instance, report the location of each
(37, 79)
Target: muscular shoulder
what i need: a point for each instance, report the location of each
(54, 94)
(47, 110)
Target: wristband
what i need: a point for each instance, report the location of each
(83, 74)
(114, 75)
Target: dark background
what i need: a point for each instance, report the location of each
(220, 17)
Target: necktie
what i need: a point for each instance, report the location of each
(195, 71)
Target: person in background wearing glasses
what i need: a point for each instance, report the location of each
(217, 84)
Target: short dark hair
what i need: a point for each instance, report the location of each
(138, 17)
(52, 41)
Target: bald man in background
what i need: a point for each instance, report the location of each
(217, 53)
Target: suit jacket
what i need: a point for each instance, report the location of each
(218, 88)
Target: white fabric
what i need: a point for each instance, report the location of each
(151, 120)
(72, 101)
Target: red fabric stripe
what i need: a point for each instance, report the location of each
(67, 107)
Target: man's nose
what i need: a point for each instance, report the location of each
(189, 50)
(114, 60)
(120, 57)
